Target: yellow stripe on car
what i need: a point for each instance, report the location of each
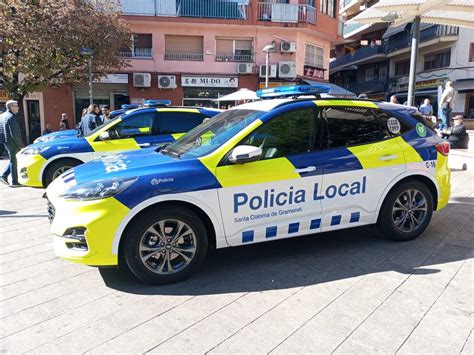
(345, 103)
(369, 154)
(33, 164)
(443, 175)
(177, 135)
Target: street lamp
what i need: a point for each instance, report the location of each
(89, 52)
(269, 48)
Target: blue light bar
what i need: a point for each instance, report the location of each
(129, 106)
(293, 91)
(153, 103)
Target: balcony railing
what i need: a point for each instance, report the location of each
(403, 40)
(225, 9)
(351, 28)
(359, 54)
(288, 13)
(137, 53)
(184, 56)
(234, 58)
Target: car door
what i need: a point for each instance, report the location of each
(360, 160)
(135, 131)
(273, 197)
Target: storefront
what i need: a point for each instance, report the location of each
(111, 90)
(424, 89)
(465, 96)
(201, 91)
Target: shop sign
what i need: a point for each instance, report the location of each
(313, 72)
(274, 84)
(114, 79)
(137, 100)
(423, 84)
(209, 81)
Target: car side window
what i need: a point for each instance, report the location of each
(179, 122)
(349, 126)
(138, 125)
(394, 125)
(287, 134)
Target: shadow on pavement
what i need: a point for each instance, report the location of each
(310, 260)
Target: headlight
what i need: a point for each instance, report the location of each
(34, 150)
(98, 189)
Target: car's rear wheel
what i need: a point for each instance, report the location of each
(57, 168)
(406, 211)
(165, 246)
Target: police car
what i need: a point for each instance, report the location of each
(258, 172)
(40, 163)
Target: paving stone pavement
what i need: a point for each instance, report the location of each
(343, 292)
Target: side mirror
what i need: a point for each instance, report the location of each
(245, 154)
(104, 136)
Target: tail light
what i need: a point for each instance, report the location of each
(443, 148)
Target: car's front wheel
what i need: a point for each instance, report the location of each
(165, 246)
(406, 211)
(57, 168)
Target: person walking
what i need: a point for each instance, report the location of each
(10, 137)
(64, 122)
(89, 121)
(446, 105)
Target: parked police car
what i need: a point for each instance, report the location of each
(40, 163)
(258, 172)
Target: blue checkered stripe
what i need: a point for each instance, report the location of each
(248, 236)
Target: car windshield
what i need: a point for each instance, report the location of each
(211, 134)
(98, 128)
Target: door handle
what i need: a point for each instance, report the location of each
(308, 169)
(144, 145)
(388, 157)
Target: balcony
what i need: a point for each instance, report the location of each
(286, 13)
(360, 55)
(224, 9)
(403, 39)
(352, 27)
(246, 58)
(196, 57)
(137, 53)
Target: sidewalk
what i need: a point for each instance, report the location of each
(463, 159)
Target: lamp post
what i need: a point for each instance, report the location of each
(89, 52)
(270, 48)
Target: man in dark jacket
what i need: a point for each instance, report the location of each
(89, 121)
(10, 137)
(456, 135)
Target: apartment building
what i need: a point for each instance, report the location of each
(194, 51)
(375, 60)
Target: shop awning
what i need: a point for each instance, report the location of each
(393, 30)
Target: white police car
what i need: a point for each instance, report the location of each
(259, 172)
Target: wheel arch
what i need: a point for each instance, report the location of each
(420, 176)
(54, 160)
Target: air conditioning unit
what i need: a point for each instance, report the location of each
(167, 81)
(142, 80)
(272, 71)
(287, 69)
(244, 68)
(288, 47)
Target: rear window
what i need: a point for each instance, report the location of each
(422, 119)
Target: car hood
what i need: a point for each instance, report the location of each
(57, 135)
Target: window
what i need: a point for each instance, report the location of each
(184, 48)
(328, 7)
(384, 117)
(471, 53)
(313, 56)
(437, 60)
(290, 133)
(141, 47)
(234, 50)
(137, 125)
(348, 126)
(179, 122)
(369, 74)
(402, 68)
(382, 73)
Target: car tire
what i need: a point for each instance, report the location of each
(57, 168)
(406, 211)
(164, 246)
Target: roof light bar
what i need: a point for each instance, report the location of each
(155, 103)
(293, 91)
(129, 106)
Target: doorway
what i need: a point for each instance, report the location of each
(120, 99)
(34, 120)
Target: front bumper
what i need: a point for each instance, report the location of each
(29, 169)
(98, 219)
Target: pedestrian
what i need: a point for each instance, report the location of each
(47, 130)
(446, 105)
(394, 99)
(89, 121)
(10, 137)
(64, 122)
(426, 109)
(456, 135)
(105, 114)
